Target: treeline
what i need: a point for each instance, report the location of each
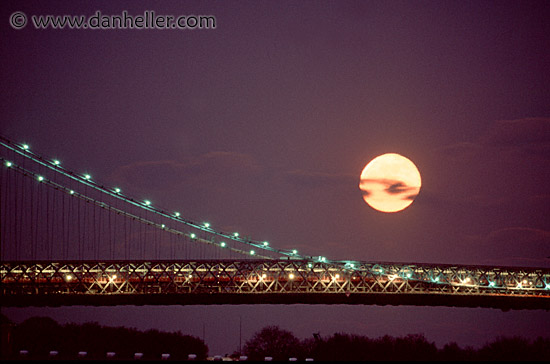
(281, 345)
(40, 335)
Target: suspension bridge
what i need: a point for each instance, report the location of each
(66, 239)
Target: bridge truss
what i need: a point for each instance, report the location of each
(270, 281)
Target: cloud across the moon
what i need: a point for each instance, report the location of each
(393, 187)
(390, 182)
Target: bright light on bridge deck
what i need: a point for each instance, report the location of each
(252, 252)
(71, 192)
(265, 243)
(162, 226)
(25, 146)
(291, 276)
(40, 178)
(192, 236)
(147, 202)
(69, 277)
(176, 214)
(206, 225)
(117, 190)
(337, 276)
(56, 162)
(8, 164)
(87, 177)
(236, 235)
(222, 244)
(295, 252)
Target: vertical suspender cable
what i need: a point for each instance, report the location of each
(16, 222)
(3, 209)
(81, 219)
(109, 213)
(95, 227)
(48, 241)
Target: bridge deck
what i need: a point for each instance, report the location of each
(271, 282)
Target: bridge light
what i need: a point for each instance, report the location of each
(162, 226)
(69, 277)
(25, 146)
(176, 214)
(56, 162)
(491, 284)
(291, 276)
(147, 202)
(222, 244)
(71, 192)
(206, 225)
(252, 252)
(192, 236)
(236, 235)
(40, 178)
(264, 276)
(8, 164)
(265, 243)
(337, 276)
(294, 251)
(87, 177)
(309, 265)
(117, 190)
(190, 276)
(409, 275)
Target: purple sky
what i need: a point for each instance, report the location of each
(264, 124)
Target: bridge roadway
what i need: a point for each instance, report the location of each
(285, 281)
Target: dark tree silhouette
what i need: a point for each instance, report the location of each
(515, 349)
(40, 335)
(274, 342)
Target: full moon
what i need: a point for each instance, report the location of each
(390, 182)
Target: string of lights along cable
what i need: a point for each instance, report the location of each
(85, 188)
(67, 239)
